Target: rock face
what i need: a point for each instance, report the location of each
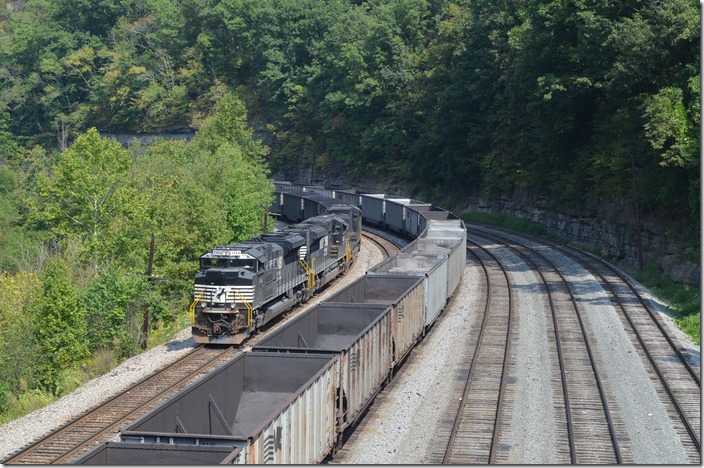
(681, 271)
(610, 229)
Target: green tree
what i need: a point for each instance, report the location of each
(81, 195)
(61, 320)
(9, 216)
(232, 162)
(9, 148)
(115, 302)
(18, 292)
(669, 128)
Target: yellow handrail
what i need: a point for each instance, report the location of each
(312, 274)
(249, 308)
(305, 268)
(192, 308)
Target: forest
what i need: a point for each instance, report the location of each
(585, 101)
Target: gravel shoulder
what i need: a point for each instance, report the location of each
(399, 426)
(19, 433)
(403, 423)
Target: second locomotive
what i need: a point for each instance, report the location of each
(242, 287)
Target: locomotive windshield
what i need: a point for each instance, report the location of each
(249, 264)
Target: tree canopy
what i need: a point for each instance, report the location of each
(581, 101)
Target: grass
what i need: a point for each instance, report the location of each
(685, 299)
(165, 332)
(512, 223)
(25, 402)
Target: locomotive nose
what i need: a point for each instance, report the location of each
(225, 277)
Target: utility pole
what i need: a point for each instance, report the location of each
(150, 270)
(266, 220)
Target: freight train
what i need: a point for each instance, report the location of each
(242, 287)
(292, 396)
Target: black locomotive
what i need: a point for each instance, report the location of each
(242, 287)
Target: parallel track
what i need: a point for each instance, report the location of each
(677, 383)
(477, 423)
(591, 430)
(103, 422)
(387, 246)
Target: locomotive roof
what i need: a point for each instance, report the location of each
(263, 246)
(257, 249)
(321, 222)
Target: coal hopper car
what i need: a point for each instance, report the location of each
(291, 398)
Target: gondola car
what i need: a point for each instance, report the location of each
(291, 399)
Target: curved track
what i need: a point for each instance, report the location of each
(387, 246)
(589, 426)
(677, 383)
(103, 422)
(476, 426)
(589, 435)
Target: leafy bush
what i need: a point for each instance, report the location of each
(691, 325)
(111, 299)
(24, 401)
(61, 325)
(512, 223)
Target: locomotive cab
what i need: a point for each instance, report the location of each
(228, 286)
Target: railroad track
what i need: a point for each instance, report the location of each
(584, 429)
(590, 428)
(476, 424)
(387, 246)
(676, 382)
(103, 422)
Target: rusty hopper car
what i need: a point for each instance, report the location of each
(122, 453)
(432, 267)
(450, 234)
(405, 296)
(359, 333)
(275, 408)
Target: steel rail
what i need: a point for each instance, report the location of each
(656, 368)
(575, 253)
(62, 445)
(588, 263)
(563, 372)
(374, 238)
(455, 426)
(638, 296)
(592, 360)
(472, 370)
